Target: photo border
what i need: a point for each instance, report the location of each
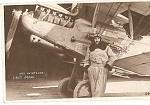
(88, 100)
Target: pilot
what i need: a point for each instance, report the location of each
(98, 61)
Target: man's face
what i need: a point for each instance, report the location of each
(97, 40)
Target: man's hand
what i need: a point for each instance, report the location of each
(108, 67)
(86, 68)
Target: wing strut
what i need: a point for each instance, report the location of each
(130, 22)
(71, 86)
(95, 16)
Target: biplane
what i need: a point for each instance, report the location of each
(69, 32)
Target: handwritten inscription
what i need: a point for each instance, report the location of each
(28, 75)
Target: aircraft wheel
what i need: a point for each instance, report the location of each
(82, 90)
(63, 88)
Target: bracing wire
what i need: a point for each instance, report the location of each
(143, 28)
(141, 20)
(134, 41)
(112, 17)
(137, 27)
(106, 17)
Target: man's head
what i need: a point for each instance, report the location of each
(97, 38)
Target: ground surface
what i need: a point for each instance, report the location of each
(46, 88)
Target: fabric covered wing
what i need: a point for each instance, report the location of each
(139, 64)
(107, 10)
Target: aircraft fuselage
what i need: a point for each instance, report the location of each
(73, 40)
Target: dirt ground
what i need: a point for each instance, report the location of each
(47, 88)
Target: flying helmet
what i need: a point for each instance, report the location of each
(97, 35)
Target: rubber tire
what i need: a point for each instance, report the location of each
(82, 90)
(62, 88)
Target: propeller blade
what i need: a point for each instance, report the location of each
(12, 29)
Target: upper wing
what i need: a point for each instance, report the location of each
(139, 64)
(113, 10)
(60, 9)
(140, 7)
(107, 11)
(56, 7)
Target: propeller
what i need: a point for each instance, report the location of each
(16, 15)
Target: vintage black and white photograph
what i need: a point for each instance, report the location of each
(90, 50)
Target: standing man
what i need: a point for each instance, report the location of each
(98, 61)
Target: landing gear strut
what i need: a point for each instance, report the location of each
(67, 85)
